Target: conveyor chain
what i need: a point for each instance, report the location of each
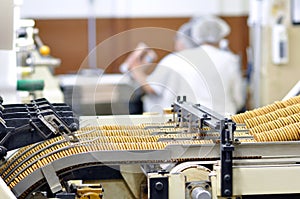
(28, 159)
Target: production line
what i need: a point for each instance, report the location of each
(208, 155)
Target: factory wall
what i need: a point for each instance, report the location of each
(64, 25)
(68, 38)
(278, 79)
(130, 8)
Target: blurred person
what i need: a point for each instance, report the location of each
(142, 56)
(198, 69)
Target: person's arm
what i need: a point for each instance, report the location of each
(152, 83)
(141, 77)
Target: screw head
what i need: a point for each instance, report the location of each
(227, 177)
(159, 186)
(227, 192)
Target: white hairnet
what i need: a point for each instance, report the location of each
(184, 35)
(209, 29)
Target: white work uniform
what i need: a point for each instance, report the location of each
(206, 75)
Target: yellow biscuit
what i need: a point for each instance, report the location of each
(282, 122)
(259, 120)
(278, 124)
(268, 138)
(268, 117)
(254, 121)
(277, 114)
(288, 133)
(247, 122)
(257, 137)
(266, 127)
(278, 136)
(263, 137)
(285, 133)
(263, 127)
(282, 138)
(271, 135)
(290, 110)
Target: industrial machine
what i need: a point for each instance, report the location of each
(25, 124)
(192, 153)
(31, 51)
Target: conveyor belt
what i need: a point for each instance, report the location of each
(103, 144)
(126, 144)
(83, 156)
(92, 139)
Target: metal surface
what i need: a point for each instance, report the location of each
(166, 186)
(200, 193)
(200, 116)
(51, 178)
(159, 187)
(134, 178)
(258, 179)
(92, 158)
(171, 152)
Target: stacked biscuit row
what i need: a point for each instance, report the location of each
(99, 138)
(33, 157)
(279, 121)
(287, 133)
(240, 118)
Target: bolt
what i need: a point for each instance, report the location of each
(227, 192)
(61, 128)
(159, 186)
(73, 127)
(227, 177)
(206, 186)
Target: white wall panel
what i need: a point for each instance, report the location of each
(131, 8)
(6, 24)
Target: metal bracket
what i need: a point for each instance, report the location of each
(226, 148)
(159, 187)
(207, 117)
(51, 178)
(57, 126)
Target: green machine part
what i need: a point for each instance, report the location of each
(30, 85)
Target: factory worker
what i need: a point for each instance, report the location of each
(199, 70)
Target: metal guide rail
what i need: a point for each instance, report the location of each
(196, 115)
(24, 124)
(31, 165)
